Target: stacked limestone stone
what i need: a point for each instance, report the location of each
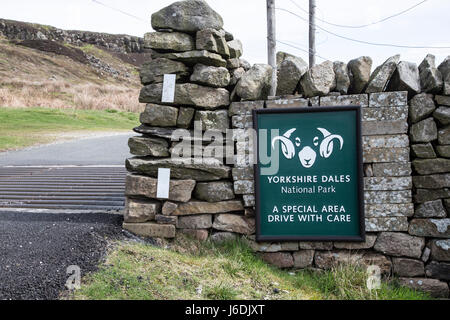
(407, 217)
(191, 43)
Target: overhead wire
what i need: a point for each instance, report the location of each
(363, 25)
(363, 41)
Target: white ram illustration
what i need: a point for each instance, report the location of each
(307, 154)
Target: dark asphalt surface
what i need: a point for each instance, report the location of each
(37, 248)
(109, 150)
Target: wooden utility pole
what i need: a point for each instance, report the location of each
(312, 33)
(271, 44)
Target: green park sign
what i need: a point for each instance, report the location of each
(308, 175)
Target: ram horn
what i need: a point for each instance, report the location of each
(287, 147)
(327, 145)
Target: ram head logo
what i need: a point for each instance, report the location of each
(324, 144)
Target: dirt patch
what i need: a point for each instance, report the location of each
(55, 47)
(135, 59)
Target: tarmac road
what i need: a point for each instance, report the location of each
(36, 246)
(106, 150)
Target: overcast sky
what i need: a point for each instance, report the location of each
(425, 25)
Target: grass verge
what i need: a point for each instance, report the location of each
(193, 270)
(22, 127)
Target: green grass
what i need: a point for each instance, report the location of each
(22, 127)
(192, 270)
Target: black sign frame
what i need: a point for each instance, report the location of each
(360, 175)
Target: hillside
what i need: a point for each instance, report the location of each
(36, 70)
(88, 80)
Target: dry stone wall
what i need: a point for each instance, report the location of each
(405, 120)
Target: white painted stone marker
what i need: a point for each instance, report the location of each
(168, 92)
(162, 190)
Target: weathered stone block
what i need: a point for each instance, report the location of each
(185, 116)
(405, 78)
(319, 80)
(435, 288)
(151, 230)
(442, 115)
(145, 146)
(214, 191)
(444, 135)
(391, 169)
(212, 40)
(421, 106)
(443, 151)
(387, 196)
(385, 141)
(408, 267)
(234, 223)
(211, 76)
(243, 173)
(430, 76)
(435, 181)
(430, 209)
(439, 228)
(279, 259)
(160, 116)
(213, 120)
(303, 258)
(198, 207)
(179, 190)
(195, 222)
(153, 71)
(438, 270)
(235, 48)
(187, 16)
(431, 166)
(386, 224)
(290, 71)
(352, 99)
(244, 107)
(264, 246)
(255, 83)
(423, 150)
(424, 195)
(359, 73)
(243, 187)
(380, 77)
(193, 57)
(399, 244)
(342, 77)
(373, 155)
(168, 208)
(370, 128)
(329, 259)
(289, 246)
(367, 244)
(206, 170)
(169, 41)
(137, 211)
(385, 114)
(387, 183)
(163, 219)
(287, 103)
(249, 200)
(315, 245)
(424, 131)
(442, 100)
(198, 234)
(188, 94)
(440, 250)
(389, 210)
